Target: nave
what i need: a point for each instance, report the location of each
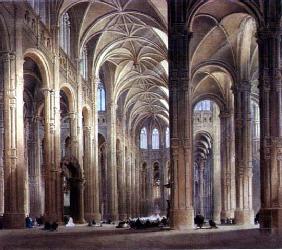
(118, 109)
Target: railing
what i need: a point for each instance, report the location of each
(34, 25)
(86, 90)
(68, 68)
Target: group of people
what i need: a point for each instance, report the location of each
(30, 223)
(51, 226)
(228, 221)
(144, 222)
(137, 223)
(199, 221)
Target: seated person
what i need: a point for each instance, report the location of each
(148, 224)
(212, 224)
(70, 223)
(257, 218)
(66, 219)
(47, 226)
(40, 220)
(138, 224)
(164, 221)
(199, 220)
(28, 222)
(121, 224)
(35, 224)
(54, 226)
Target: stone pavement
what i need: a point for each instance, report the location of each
(108, 237)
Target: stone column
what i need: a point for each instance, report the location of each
(138, 185)
(244, 213)
(215, 170)
(52, 146)
(80, 215)
(89, 174)
(133, 193)
(35, 174)
(14, 164)
(1, 137)
(122, 191)
(227, 165)
(128, 184)
(150, 183)
(201, 183)
(270, 80)
(112, 171)
(73, 135)
(52, 138)
(181, 116)
(95, 150)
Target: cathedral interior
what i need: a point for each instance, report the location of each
(117, 109)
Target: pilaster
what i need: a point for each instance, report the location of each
(244, 213)
(14, 164)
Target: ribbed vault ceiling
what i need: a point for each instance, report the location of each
(131, 36)
(223, 49)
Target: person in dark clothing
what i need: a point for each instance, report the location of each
(54, 226)
(138, 224)
(212, 224)
(28, 222)
(164, 221)
(199, 220)
(257, 218)
(47, 225)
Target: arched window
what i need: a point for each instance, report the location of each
(203, 106)
(143, 138)
(167, 140)
(256, 120)
(65, 33)
(83, 63)
(157, 181)
(155, 139)
(101, 97)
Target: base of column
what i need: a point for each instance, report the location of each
(226, 214)
(80, 221)
(114, 217)
(271, 219)
(182, 219)
(92, 216)
(122, 216)
(53, 218)
(244, 217)
(216, 216)
(14, 220)
(97, 216)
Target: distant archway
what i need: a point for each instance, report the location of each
(73, 187)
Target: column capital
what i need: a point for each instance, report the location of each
(72, 115)
(96, 80)
(7, 56)
(87, 128)
(242, 86)
(225, 114)
(270, 31)
(47, 91)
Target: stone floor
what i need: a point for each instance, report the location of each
(108, 237)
